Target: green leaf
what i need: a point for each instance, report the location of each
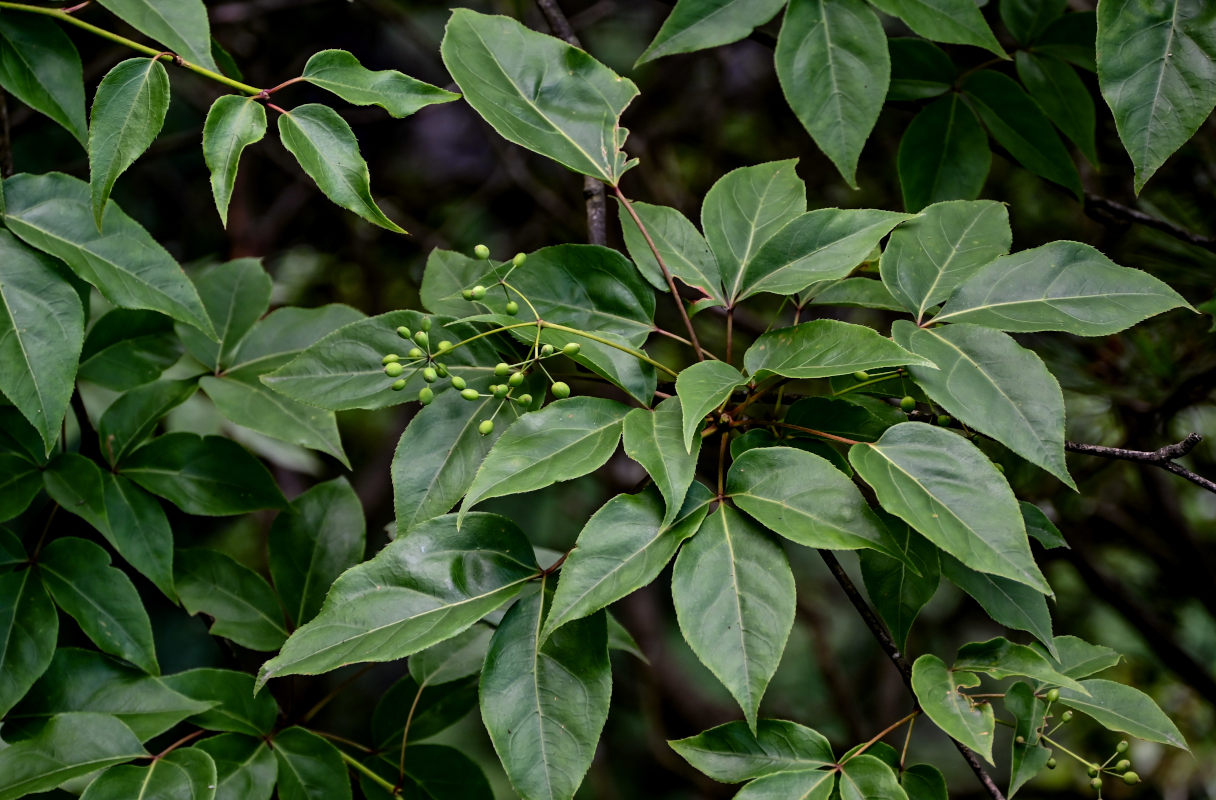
(945, 488)
(326, 148)
(1061, 286)
(919, 69)
(564, 440)
(41, 333)
(821, 245)
(994, 385)
(1123, 708)
(207, 475)
(19, 436)
(1029, 755)
(130, 520)
(315, 540)
(853, 416)
(416, 592)
(857, 292)
(1040, 527)
(734, 596)
(233, 123)
(1009, 603)
(544, 702)
(20, 482)
(1072, 37)
(129, 420)
(833, 76)
(184, 773)
(234, 707)
(730, 753)
(950, 21)
(743, 209)
(928, 256)
(241, 604)
(12, 552)
(400, 95)
(310, 768)
(127, 348)
(804, 498)
(67, 746)
(895, 588)
(452, 659)
(701, 388)
(1157, 72)
(540, 93)
(52, 213)
(245, 767)
(937, 690)
(683, 248)
(180, 26)
(128, 112)
(803, 784)
(236, 295)
(866, 777)
(101, 599)
(655, 440)
(1016, 122)
(700, 24)
(29, 627)
(943, 154)
(1055, 87)
(822, 348)
(1026, 19)
(85, 680)
(1001, 658)
(282, 334)
(430, 708)
(40, 67)
(623, 547)
(924, 782)
(1077, 658)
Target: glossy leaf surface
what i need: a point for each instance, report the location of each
(655, 439)
(40, 67)
(731, 753)
(29, 626)
(951, 21)
(823, 348)
(701, 388)
(128, 112)
(245, 767)
(184, 774)
(180, 26)
(68, 746)
(937, 690)
(207, 475)
(234, 706)
(400, 95)
(127, 421)
(241, 604)
(233, 123)
(699, 24)
(1124, 708)
(943, 155)
(310, 768)
(682, 247)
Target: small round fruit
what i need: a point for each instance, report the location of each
(444, 346)
(414, 353)
(403, 332)
(1131, 778)
(390, 358)
(1066, 716)
(502, 369)
(944, 420)
(1051, 763)
(512, 307)
(486, 427)
(393, 369)
(908, 403)
(470, 394)
(501, 390)
(516, 378)
(1092, 771)
(571, 348)
(999, 467)
(441, 369)
(467, 294)
(1053, 695)
(481, 251)
(546, 350)
(458, 382)
(479, 292)
(430, 375)
(560, 390)
(525, 399)
(1122, 746)
(861, 375)
(399, 384)
(421, 338)
(425, 395)
(1096, 784)
(519, 259)
(1020, 740)
(426, 323)
(1123, 765)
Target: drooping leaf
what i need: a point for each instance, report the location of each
(241, 604)
(180, 26)
(245, 767)
(951, 21)
(1029, 754)
(1026, 19)
(866, 777)
(452, 659)
(126, 348)
(128, 112)
(814, 784)
(700, 24)
(701, 388)
(183, 774)
(419, 590)
(822, 348)
(919, 69)
(101, 599)
(1061, 286)
(994, 385)
(40, 67)
(233, 123)
(29, 626)
(207, 475)
(731, 753)
(1055, 87)
(1119, 707)
(623, 547)
(310, 768)
(937, 690)
(927, 257)
(1009, 603)
(400, 95)
(236, 295)
(318, 537)
(1077, 658)
(682, 247)
(20, 482)
(52, 213)
(326, 149)
(430, 708)
(833, 76)
(895, 588)
(1040, 527)
(540, 93)
(655, 439)
(67, 746)
(1157, 72)
(562, 441)
(1001, 658)
(41, 333)
(821, 245)
(948, 490)
(544, 703)
(734, 596)
(234, 707)
(133, 415)
(943, 155)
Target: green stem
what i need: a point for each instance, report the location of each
(879, 379)
(878, 736)
(1065, 750)
(638, 354)
(56, 13)
(372, 776)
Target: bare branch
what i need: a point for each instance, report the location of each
(1104, 210)
(1162, 457)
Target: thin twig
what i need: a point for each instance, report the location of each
(6, 144)
(1104, 210)
(1162, 457)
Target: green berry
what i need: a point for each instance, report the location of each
(393, 369)
(516, 378)
(441, 369)
(481, 251)
(470, 394)
(398, 384)
(560, 390)
(458, 382)
(861, 375)
(512, 307)
(546, 350)
(430, 375)
(403, 332)
(519, 259)
(502, 369)
(501, 390)
(1021, 740)
(425, 395)
(1066, 716)
(414, 353)
(943, 420)
(908, 403)
(426, 323)
(479, 292)
(1131, 778)
(1053, 695)
(421, 338)
(444, 346)
(1051, 763)
(1092, 771)
(467, 294)
(525, 399)
(1096, 784)
(390, 358)
(1122, 746)
(486, 427)
(999, 467)
(571, 348)
(1123, 766)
